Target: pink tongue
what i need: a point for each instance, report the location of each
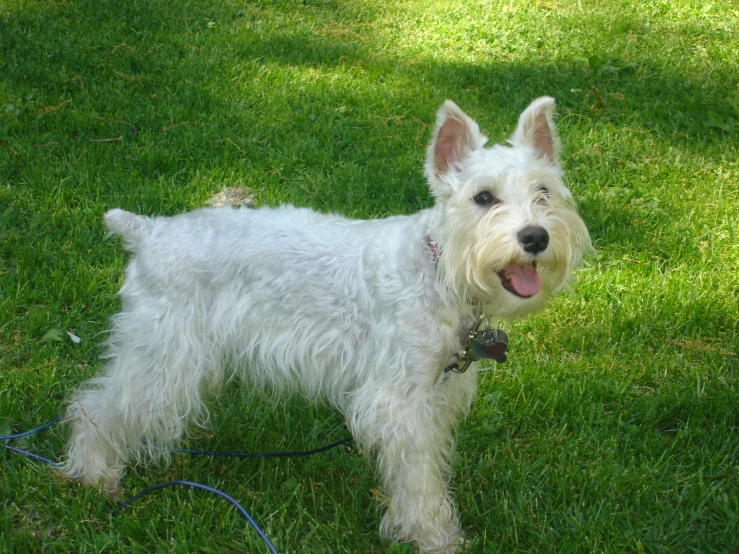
(524, 279)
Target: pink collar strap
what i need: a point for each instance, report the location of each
(434, 248)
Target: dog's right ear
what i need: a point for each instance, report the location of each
(455, 136)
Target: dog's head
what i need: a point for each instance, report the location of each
(510, 232)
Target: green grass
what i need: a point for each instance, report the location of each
(614, 428)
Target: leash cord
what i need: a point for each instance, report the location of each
(32, 455)
(239, 507)
(32, 431)
(220, 493)
(294, 454)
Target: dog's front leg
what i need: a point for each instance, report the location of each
(412, 438)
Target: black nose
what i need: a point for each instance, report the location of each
(533, 238)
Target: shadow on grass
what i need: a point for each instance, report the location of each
(306, 104)
(132, 71)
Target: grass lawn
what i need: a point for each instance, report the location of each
(614, 427)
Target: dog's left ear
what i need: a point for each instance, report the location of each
(536, 129)
(455, 136)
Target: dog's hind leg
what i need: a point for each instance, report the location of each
(150, 391)
(92, 457)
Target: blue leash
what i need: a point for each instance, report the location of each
(11, 438)
(239, 507)
(265, 454)
(32, 431)
(220, 493)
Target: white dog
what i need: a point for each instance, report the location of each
(367, 314)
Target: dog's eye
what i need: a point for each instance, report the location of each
(544, 190)
(485, 198)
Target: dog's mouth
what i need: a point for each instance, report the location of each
(521, 280)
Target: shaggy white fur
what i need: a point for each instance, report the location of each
(359, 312)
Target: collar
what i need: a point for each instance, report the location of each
(434, 248)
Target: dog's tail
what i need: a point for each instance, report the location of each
(133, 228)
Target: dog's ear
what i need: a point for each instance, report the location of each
(455, 136)
(536, 129)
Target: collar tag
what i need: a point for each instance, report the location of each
(488, 344)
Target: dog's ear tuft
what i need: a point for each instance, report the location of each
(455, 136)
(536, 129)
